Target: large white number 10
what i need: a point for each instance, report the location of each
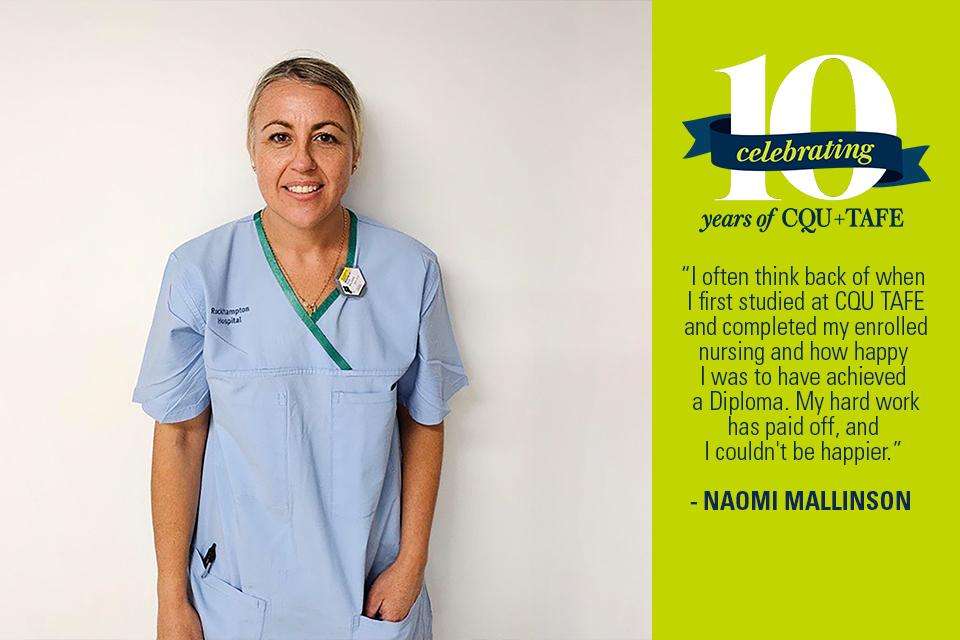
(790, 113)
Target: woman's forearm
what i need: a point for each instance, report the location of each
(421, 458)
(175, 487)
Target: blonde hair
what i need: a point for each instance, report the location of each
(316, 72)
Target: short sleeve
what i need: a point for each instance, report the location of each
(436, 372)
(172, 385)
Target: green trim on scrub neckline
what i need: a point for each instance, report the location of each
(310, 321)
(351, 258)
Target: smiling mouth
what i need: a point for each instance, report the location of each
(302, 189)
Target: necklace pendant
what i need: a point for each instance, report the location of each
(351, 281)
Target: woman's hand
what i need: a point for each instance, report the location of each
(394, 592)
(178, 622)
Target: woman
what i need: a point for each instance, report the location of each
(297, 352)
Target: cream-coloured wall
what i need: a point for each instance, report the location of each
(511, 138)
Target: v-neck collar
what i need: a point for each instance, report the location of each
(310, 319)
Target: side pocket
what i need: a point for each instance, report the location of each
(226, 613)
(410, 628)
(362, 428)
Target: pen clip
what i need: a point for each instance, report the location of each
(208, 559)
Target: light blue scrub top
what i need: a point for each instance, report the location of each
(300, 489)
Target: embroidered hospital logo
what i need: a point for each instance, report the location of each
(229, 315)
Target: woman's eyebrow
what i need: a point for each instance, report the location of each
(319, 125)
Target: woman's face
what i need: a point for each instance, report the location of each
(302, 140)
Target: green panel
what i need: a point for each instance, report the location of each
(803, 575)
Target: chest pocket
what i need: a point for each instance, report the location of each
(252, 431)
(362, 429)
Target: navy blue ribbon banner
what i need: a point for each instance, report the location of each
(815, 150)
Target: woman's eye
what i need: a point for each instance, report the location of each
(326, 137)
(274, 137)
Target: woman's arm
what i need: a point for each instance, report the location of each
(395, 590)
(175, 487)
(422, 454)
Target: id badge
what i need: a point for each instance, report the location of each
(351, 281)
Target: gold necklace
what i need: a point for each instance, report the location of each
(310, 308)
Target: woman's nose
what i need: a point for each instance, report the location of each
(303, 161)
